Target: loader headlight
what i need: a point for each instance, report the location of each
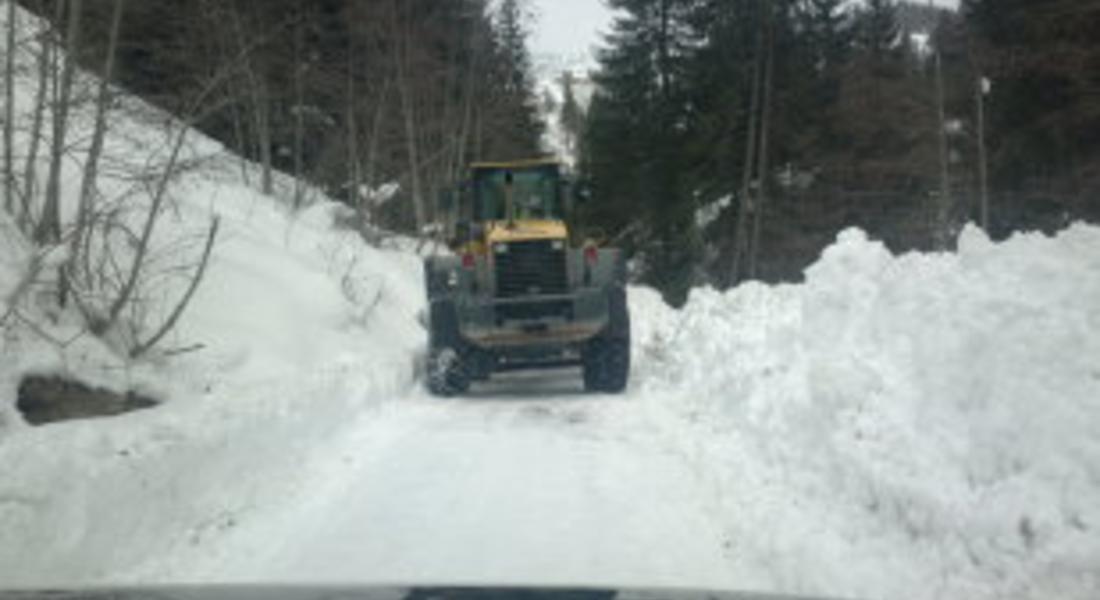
(500, 248)
(557, 245)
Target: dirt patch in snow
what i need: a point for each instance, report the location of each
(49, 399)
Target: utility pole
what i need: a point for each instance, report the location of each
(983, 88)
(762, 162)
(746, 204)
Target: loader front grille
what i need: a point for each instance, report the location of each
(533, 268)
(534, 311)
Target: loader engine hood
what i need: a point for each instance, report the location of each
(524, 231)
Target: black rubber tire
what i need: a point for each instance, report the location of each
(449, 365)
(447, 373)
(606, 357)
(606, 365)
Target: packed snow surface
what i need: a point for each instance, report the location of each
(917, 426)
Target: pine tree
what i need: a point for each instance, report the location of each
(635, 139)
(830, 36)
(518, 98)
(825, 25)
(877, 30)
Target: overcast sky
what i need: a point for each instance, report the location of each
(570, 27)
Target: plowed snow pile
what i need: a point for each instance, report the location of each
(914, 426)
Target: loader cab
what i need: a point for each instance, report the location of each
(517, 192)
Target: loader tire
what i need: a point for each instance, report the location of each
(449, 368)
(606, 365)
(448, 374)
(606, 357)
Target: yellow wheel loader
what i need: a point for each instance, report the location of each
(519, 290)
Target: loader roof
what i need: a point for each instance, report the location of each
(516, 164)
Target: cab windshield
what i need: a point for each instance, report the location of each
(535, 193)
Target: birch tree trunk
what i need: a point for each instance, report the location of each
(30, 170)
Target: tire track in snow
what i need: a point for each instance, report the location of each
(496, 487)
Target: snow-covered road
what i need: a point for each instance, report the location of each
(526, 480)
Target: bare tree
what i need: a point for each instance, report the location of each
(159, 197)
(9, 111)
(46, 50)
(99, 133)
(118, 289)
(300, 67)
(408, 109)
(49, 227)
(259, 100)
(353, 162)
(374, 143)
(196, 279)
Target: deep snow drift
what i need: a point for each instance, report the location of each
(915, 426)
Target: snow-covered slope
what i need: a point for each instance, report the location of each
(297, 328)
(921, 426)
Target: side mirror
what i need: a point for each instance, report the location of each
(466, 231)
(596, 235)
(573, 194)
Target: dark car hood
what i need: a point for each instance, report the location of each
(381, 593)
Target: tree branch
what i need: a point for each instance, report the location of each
(178, 311)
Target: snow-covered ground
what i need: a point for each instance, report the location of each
(916, 426)
(922, 426)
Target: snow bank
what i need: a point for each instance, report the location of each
(922, 425)
(298, 329)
